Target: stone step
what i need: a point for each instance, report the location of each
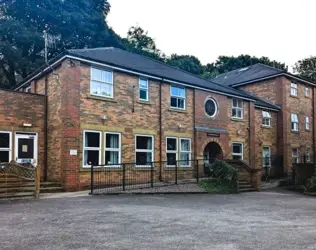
(242, 190)
(29, 184)
(244, 186)
(16, 195)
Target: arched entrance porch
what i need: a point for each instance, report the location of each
(212, 151)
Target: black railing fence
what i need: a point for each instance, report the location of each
(126, 176)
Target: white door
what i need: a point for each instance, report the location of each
(26, 148)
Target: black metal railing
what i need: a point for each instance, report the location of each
(122, 177)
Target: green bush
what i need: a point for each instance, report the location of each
(311, 185)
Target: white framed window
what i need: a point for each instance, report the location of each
(101, 83)
(112, 153)
(178, 97)
(144, 150)
(308, 155)
(307, 91)
(307, 123)
(91, 148)
(5, 146)
(143, 89)
(237, 109)
(266, 156)
(185, 152)
(171, 151)
(295, 157)
(266, 119)
(28, 89)
(294, 122)
(238, 151)
(293, 89)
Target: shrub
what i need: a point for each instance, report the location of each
(311, 185)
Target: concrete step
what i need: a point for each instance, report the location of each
(244, 186)
(242, 190)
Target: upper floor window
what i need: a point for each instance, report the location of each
(307, 123)
(143, 89)
(178, 97)
(101, 83)
(210, 107)
(294, 122)
(5, 146)
(238, 153)
(307, 91)
(237, 109)
(266, 118)
(293, 89)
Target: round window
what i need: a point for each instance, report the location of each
(210, 107)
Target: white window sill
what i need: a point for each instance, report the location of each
(102, 96)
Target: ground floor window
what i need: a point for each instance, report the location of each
(91, 148)
(172, 151)
(295, 155)
(112, 149)
(266, 156)
(237, 151)
(5, 146)
(185, 152)
(144, 150)
(308, 155)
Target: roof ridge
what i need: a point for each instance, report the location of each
(269, 66)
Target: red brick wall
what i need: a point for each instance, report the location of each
(17, 108)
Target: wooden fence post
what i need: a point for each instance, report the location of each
(37, 182)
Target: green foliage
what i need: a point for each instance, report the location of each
(306, 68)
(310, 186)
(215, 186)
(186, 62)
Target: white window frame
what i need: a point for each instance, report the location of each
(307, 91)
(307, 123)
(101, 82)
(119, 150)
(266, 116)
(184, 151)
(295, 122)
(178, 97)
(297, 156)
(237, 108)
(84, 148)
(144, 89)
(308, 155)
(172, 151)
(294, 89)
(263, 156)
(242, 150)
(9, 149)
(152, 151)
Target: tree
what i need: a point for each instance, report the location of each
(72, 24)
(186, 62)
(306, 68)
(228, 63)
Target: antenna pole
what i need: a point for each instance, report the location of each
(46, 45)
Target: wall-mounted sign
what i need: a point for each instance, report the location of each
(73, 152)
(213, 135)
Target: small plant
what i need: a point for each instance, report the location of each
(310, 186)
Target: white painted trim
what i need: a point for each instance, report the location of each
(94, 149)
(261, 107)
(111, 150)
(108, 83)
(180, 97)
(242, 109)
(26, 136)
(216, 106)
(132, 72)
(10, 144)
(190, 152)
(242, 149)
(145, 150)
(172, 151)
(139, 89)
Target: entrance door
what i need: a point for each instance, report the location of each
(26, 148)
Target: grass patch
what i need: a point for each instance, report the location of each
(216, 186)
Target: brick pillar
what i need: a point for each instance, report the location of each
(71, 125)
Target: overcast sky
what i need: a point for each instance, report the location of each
(284, 30)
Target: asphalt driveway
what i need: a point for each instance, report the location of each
(266, 220)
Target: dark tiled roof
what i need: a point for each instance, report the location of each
(250, 73)
(146, 65)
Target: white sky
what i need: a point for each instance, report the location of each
(283, 30)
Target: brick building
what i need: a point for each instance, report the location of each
(108, 106)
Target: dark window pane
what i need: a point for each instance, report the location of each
(111, 157)
(143, 142)
(234, 114)
(26, 148)
(171, 158)
(237, 148)
(143, 158)
(91, 157)
(236, 157)
(92, 140)
(210, 108)
(4, 156)
(174, 102)
(143, 94)
(112, 141)
(181, 103)
(171, 144)
(4, 140)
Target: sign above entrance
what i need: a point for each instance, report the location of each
(213, 135)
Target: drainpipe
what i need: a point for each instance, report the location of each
(46, 130)
(194, 131)
(160, 129)
(313, 128)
